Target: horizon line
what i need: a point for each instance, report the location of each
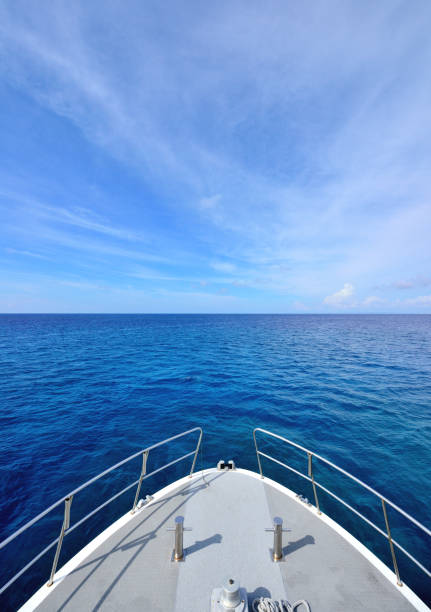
(230, 314)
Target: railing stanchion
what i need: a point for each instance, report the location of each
(143, 472)
(394, 559)
(257, 454)
(196, 454)
(311, 475)
(64, 527)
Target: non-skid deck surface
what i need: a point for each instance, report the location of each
(133, 569)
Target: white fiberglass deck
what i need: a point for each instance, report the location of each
(129, 566)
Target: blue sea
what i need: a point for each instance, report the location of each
(79, 393)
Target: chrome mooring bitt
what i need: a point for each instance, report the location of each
(277, 529)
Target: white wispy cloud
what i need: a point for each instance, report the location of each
(210, 202)
(26, 253)
(412, 283)
(149, 274)
(223, 266)
(93, 246)
(78, 216)
(84, 219)
(85, 285)
(421, 300)
(343, 297)
(373, 300)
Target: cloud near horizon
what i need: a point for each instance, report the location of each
(263, 156)
(343, 297)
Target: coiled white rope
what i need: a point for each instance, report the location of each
(266, 604)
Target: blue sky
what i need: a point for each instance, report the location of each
(215, 157)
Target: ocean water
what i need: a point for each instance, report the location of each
(79, 393)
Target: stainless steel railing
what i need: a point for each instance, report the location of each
(315, 485)
(67, 500)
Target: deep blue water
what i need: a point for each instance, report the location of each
(81, 392)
